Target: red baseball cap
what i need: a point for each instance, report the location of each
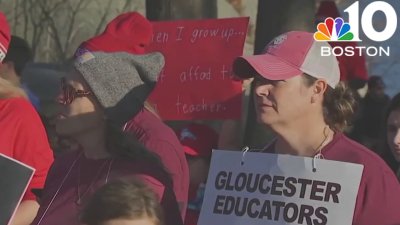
(129, 32)
(288, 55)
(4, 36)
(198, 140)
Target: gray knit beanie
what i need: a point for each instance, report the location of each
(120, 81)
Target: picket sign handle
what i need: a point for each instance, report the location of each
(315, 158)
(244, 150)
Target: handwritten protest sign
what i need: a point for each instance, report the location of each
(196, 81)
(14, 179)
(279, 189)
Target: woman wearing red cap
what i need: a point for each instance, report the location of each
(298, 95)
(22, 135)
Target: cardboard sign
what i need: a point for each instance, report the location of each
(196, 82)
(14, 179)
(279, 189)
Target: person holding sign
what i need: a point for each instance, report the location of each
(131, 32)
(22, 134)
(100, 94)
(298, 95)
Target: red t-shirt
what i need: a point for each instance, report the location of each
(73, 173)
(23, 137)
(161, 140)
(378, 199)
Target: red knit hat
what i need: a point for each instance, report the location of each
(198, 140)
(4, 36)
(129, 32)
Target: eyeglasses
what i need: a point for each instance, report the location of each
(69, 93)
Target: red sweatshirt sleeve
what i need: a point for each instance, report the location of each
(29, 144)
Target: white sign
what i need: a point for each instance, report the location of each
(263, 188)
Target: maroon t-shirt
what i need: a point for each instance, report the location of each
(73, 179)
(378, 199)
(161, 140)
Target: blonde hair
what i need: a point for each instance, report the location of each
(339, 104)
(9, 90)
(339, 107)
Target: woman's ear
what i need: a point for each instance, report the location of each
(319, 89)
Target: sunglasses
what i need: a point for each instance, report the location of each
(70, 93)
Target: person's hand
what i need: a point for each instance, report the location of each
(26, 212)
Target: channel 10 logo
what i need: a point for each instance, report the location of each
(338, 30)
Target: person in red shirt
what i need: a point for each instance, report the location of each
(100, 94)
(198, 141)
(298, 95)
(22, 135)
(131, 32)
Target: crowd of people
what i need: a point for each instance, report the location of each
(124, 165)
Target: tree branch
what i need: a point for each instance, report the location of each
(53, 28)
(103, 18)
(74, 12)
(126, 6)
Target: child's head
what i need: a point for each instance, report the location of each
(123, 203)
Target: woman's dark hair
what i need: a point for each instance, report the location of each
(122, 199)
(339, 104)
(125, 145)
(387, 154)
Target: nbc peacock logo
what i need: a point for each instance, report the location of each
(333, 30)
(336, 30)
